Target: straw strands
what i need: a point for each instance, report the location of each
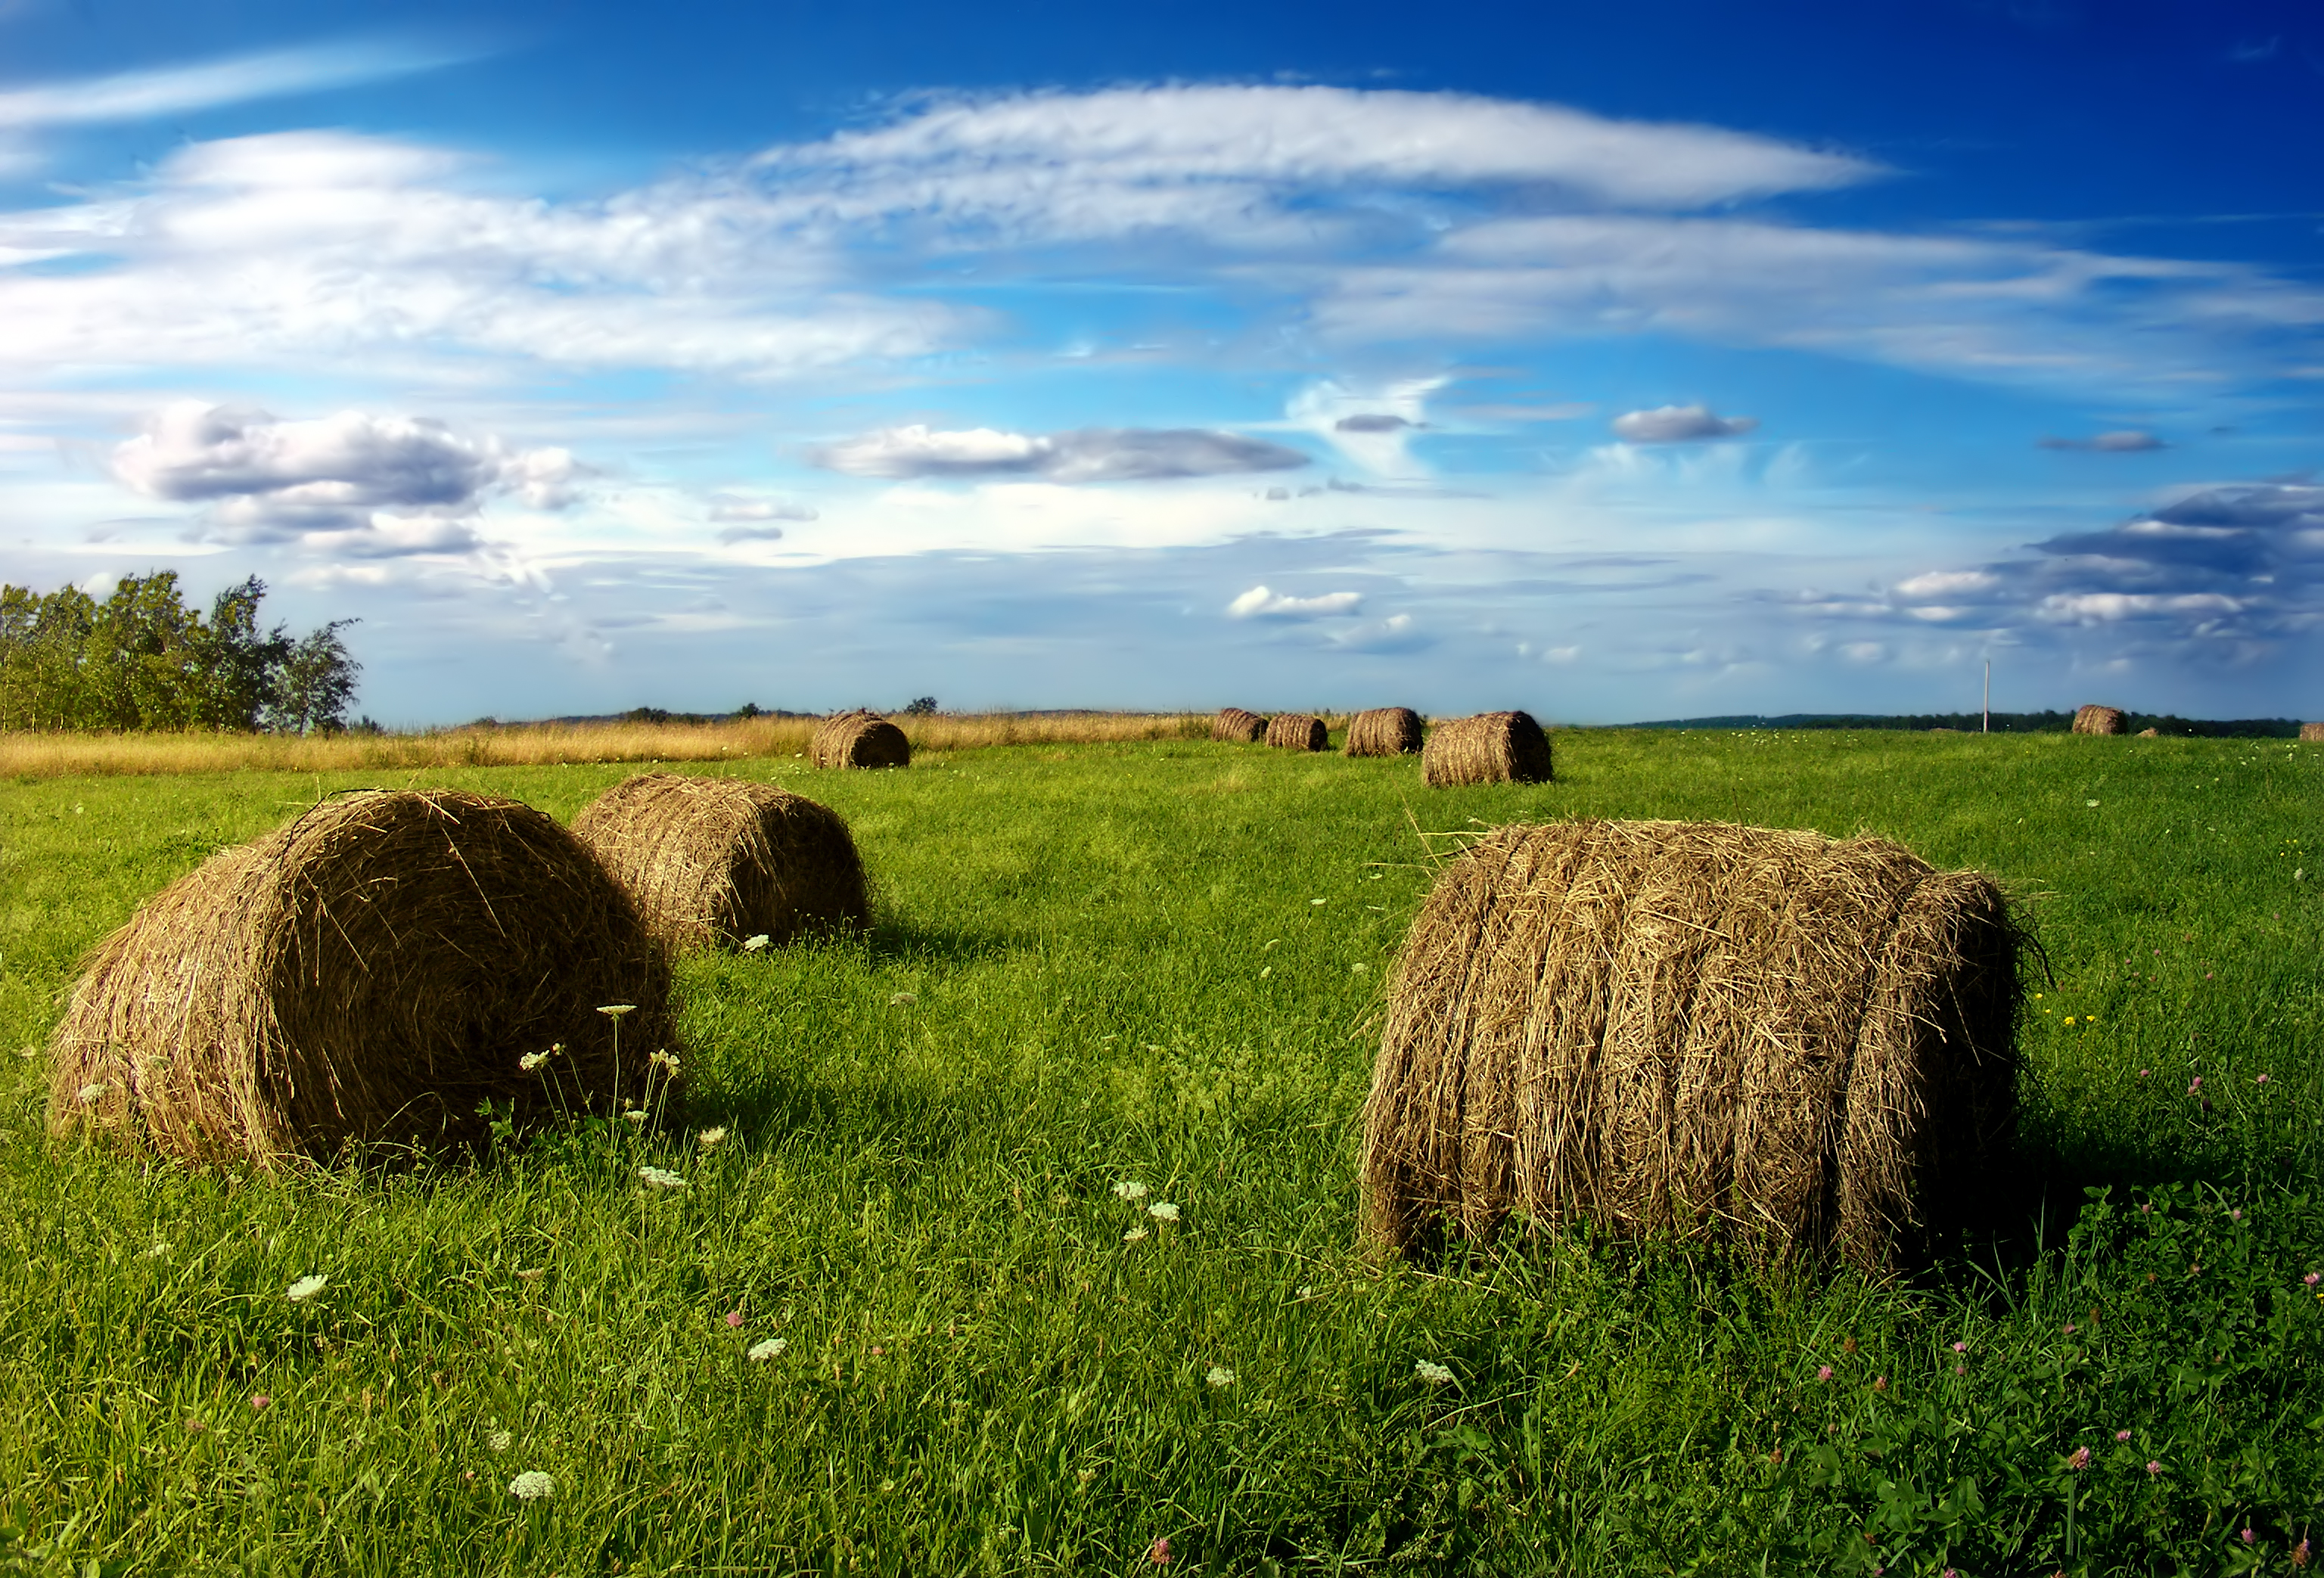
(2311, 730)
(1695, 1028)
(713, 861)
(1384, 731)
(1295, 731)
(2094, 719)
(1235, 727)
(372, 972)
(860, 738)
(1492, 747)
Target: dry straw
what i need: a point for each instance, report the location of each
(1492, 747)
(1384, 731)
(1238, 727)
(860, 739)
(1691, 1027)
(371, 973)
(2094, 719)
(712, 862)
(2311, 730)
(1295, 731)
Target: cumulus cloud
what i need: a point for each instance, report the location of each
(1679, 424)
(366, 484)
(1373, 422)
(1263, 602)
(2125, 441)
(1371, 425)
(1092, 455)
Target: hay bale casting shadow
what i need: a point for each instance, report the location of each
(1295, 731)
(1384, 731)
(859, 739)
(371, 973)
(1492, 747)
(2094, 719)
(713, 862)
(1235, 727)
(1694, 1028)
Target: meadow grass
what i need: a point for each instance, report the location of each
(1159, 963)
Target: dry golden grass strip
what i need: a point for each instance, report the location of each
(859, 739)
(1295, 731)
(1492, 747)
(2311, 730)
(1235, 727)
(1691, 1028)
(1384, 731)
(369, 973)
(714, 861)
(2094, 719)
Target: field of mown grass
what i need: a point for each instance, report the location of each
(1159, 963)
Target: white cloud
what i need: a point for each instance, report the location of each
(365, 484)
(2106, 607)
(1946, 584)
(1372, 427)
(1261, 602)
(2124, 442)
(734, 508)
(1092, 455)
(169, 90)
(1679, 424)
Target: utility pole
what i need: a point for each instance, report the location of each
(1987, 729)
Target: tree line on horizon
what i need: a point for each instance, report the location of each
(2003, 723)
(143, 659)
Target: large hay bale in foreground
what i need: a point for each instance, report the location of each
(2094, 719)
(713, 861)
(1295, 731)
(1696, 1027)
(1384, 731)
(2311, 730)
(371, 973)
(1235, 727)
(861, 738)
(1492, 747)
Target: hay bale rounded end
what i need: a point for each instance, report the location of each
(2094, 719)
(1696, 1030)
(2312, 731)
(1296, 731)
(1384, 731)
(1491, 747)
(366, 976)
(861, 738)
(713, 862)
(1234, 726)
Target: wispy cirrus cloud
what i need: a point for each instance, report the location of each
(1092, 455)
(172, 90)
(1263, 602)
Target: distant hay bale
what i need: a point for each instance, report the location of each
(2094, 719)
(1694, 1029)
(713, 862)
(860, 738)
(371, 973)
(1384, 731)
(2311, 730)
(1238, 727)
(2150, 733)
(1295, 731)
(1492, 747)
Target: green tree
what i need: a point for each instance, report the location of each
(314, 684)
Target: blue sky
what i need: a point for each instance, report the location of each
(1660, 360)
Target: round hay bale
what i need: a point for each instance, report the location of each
(2311, 730)
(2150, 733)
(371, 973)
(1235, 727)
(2094, 719)
(1694, 1028)
(1295, 731)
(712, 862)
(1384, 731)
(1492, 747)
(861, 738)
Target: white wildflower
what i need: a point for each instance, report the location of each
(662, 1178)
(664, 1056)
(2093, 805)
(710, 1137)
(1163, 1211)
(1434, 1374)
(760, 1352)
(531, 1060)
(305, 1288)
(1358, 969)
(1129, 1189)
(532, 1485)
(1133, 1235)
(1220, 1375)
(1263, 975)
(500, 1441)
(89, 1093)
(612, 1011)
(1315, 901)
(1307, 1290)
(751, 945)
(635, 1114)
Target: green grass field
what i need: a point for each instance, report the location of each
(1161, 964)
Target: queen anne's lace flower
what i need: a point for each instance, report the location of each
(1434, 1374)
(305, 1288)
(1163, 1211)
(1220, 1375)
(662, 1178)
(532, 1485)
(1129, 1189)
(761, 1351)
